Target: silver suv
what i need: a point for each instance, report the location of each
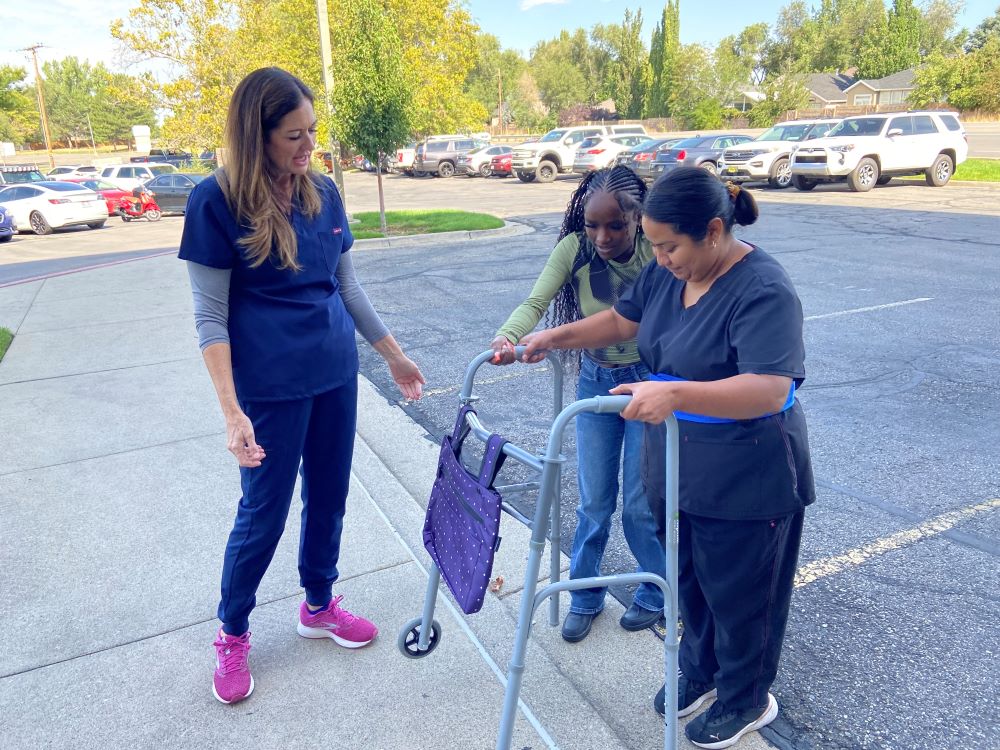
(440, 155)
(869, 150)
(767, 158)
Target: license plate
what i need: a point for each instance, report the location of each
(732, 170)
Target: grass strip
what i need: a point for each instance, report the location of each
(6, 336)
(979, 170)
(403, 223)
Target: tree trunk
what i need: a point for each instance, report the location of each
(381, 199)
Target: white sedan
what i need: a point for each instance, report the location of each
(600, 151)
(44, 206)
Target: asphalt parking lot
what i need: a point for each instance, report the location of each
(893, 640)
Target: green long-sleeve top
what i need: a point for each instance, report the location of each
(597, 284)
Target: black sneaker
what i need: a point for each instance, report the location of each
(718, 727)
(690, 696)
(639, 618)
(576, 626)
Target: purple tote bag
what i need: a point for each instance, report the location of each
(462, 525)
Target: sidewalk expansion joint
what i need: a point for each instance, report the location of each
(98, 372)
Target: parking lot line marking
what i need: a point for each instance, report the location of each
(853, 558)
(856, 310)
(488, 381)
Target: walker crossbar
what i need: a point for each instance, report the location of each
(420, 636)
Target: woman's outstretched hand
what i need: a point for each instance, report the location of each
(407, 376)
(503, 351)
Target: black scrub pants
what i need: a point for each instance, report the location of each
(735, 582)
(316, 434)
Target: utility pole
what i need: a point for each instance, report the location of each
(41, 103)
(499, 100)
(327, 59)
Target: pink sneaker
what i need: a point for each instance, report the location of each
(232, 681)
(346, 629)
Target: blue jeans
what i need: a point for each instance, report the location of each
(600, 439)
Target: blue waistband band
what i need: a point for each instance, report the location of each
(704, 418)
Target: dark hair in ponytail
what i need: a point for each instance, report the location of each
(629, 190)
(688, 198)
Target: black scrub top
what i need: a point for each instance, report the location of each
(749, 321)
(290, 334)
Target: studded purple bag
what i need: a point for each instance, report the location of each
(462, 525)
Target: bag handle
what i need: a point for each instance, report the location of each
(462, 428)
(493, 458)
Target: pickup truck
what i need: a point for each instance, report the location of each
(169, 155)
(555, 151)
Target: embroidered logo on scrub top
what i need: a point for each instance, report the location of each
(338, 230)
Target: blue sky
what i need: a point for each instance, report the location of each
(80, 27)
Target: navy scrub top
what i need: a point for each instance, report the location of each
(290, 334)
(749, 321)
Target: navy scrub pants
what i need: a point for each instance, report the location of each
(318, 434)
(735, 587)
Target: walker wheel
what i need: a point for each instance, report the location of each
(409, 637)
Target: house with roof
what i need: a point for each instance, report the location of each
(830, 90)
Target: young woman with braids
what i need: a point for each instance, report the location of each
(720, 326)
(601, 251)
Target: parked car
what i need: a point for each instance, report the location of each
(870, 150)
(112, 194)
(208, 158)
(57, 173)
(701, 151)
(16, 175)
(172, 190)
(600, 151)
(402, 160)
(500, 165)
(642, 154)
(129, 176)
(767, 158)
(440, 155)
(477, 161)
(8, 225)
(555, 151)
(47, 205)
(167, 155)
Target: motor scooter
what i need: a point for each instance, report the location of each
(130, 207)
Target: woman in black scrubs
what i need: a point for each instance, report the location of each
(719, 322)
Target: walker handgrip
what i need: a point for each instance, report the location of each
(614, 404)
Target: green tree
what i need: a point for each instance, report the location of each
(19, 120)
(663, 51)
(988, 29)
(69, 87)
(497, 72)
(627, 72)
(966, 81)
(372, 89)
(554, 68)
(892, 41)
(693, 99)
(937, 28)
(121, 101)
(783, 92)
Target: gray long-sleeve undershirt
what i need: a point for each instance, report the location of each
(210, 288)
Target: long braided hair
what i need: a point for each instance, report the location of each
(630, 192)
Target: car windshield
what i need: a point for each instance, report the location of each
(552, 135)
(858, 126)
(784, 133)
(818, 130)
(27, 176)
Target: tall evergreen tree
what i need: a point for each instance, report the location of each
(663, 55)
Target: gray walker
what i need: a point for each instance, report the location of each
(421, 635)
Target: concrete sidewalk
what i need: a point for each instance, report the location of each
(116, 497)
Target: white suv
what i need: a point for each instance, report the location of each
(870, 150)
(555, 151)
(130, 176)
(767, 158)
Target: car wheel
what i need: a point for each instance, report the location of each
(484, 170)
(96, 224)
(546, 171)
(446, 169)
(803, 183)
(864, 176)
(781, 174)
(709, 166)
(6, 238)
(940, 172)
(526, 176)
(884, 179)
(38, 223)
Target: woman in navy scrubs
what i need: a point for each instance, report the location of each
(276, 307)
(720, 327)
